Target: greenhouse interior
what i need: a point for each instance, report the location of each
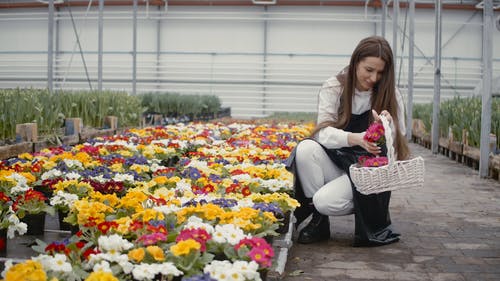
(249, 140)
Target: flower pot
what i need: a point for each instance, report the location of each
(283, 228)
(35, 222)
(3, 242)
(62, 224)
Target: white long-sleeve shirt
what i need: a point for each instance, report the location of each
(328, 105)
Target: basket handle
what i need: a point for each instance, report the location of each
(388, 139)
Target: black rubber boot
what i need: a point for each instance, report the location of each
(304, 211)
(317, 230)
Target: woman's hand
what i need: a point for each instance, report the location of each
(376, 116)
(357, 139)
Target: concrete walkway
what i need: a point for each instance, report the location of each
(450, 231)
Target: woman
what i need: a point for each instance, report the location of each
(348, 103)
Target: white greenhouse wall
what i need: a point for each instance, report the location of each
(257, 60)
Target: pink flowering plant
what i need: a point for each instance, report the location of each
(375, 133)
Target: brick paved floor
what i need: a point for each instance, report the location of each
(450, 231)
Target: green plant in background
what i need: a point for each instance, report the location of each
(19, 106)
(302, 117)
(170, 104)
(459, 114)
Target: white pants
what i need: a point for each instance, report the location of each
(321, 179)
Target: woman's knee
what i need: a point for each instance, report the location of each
(306, 149)
(333, 207)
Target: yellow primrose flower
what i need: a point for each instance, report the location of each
(73, 186)
(164, 193)
(158, 149)
(160, 180)
(123, 225)
(49, 165)
(269, 216)
(103, 151)
(28, 270)
(27, 156)
(148, 152)
(184, 247)
(109, 199)
(156, 252)
(95, 210)
(101, 276)
(83, 157)
(139, 168)
(148, 214)
(133, 199)
(29, 176)
(125, 153)
(137, 255)
(117, 167)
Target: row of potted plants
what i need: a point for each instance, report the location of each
(49, 110)
(183, 202)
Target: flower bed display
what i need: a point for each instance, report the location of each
(184, 202)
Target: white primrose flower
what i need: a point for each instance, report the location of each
(71, 163)
(273, 184)
(248, 269)
(63, 198)
(59, 263)
(183, 185)
(8, 264)
(199, 142)
(198, 164)
(168, 268)
(102, 266)
(228, 233)
(21, 183)
(240, 270)
(124, 178)
(155, 165)
(20, 179)
(196, 222)
(15, 225)
(54, 173)
(114, 243)
(242, 203)
(100, 178)
(127, 266)
(144, 271)
(167, 209)
(242, 177)
(72, 176)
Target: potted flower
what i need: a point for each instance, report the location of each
(9, 223)
(62, 201)
(31, 208)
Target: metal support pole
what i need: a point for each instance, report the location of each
(264, 69)
(384, 16)
(57, 50)
(158, 48)
(50, 48)
(437, 81)
(395, 22)
(487, 88)
(411, 46)
(134, 51)
(100, 45)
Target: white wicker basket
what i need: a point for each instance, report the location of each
(395, 175)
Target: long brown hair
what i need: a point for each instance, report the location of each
(384, 91)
